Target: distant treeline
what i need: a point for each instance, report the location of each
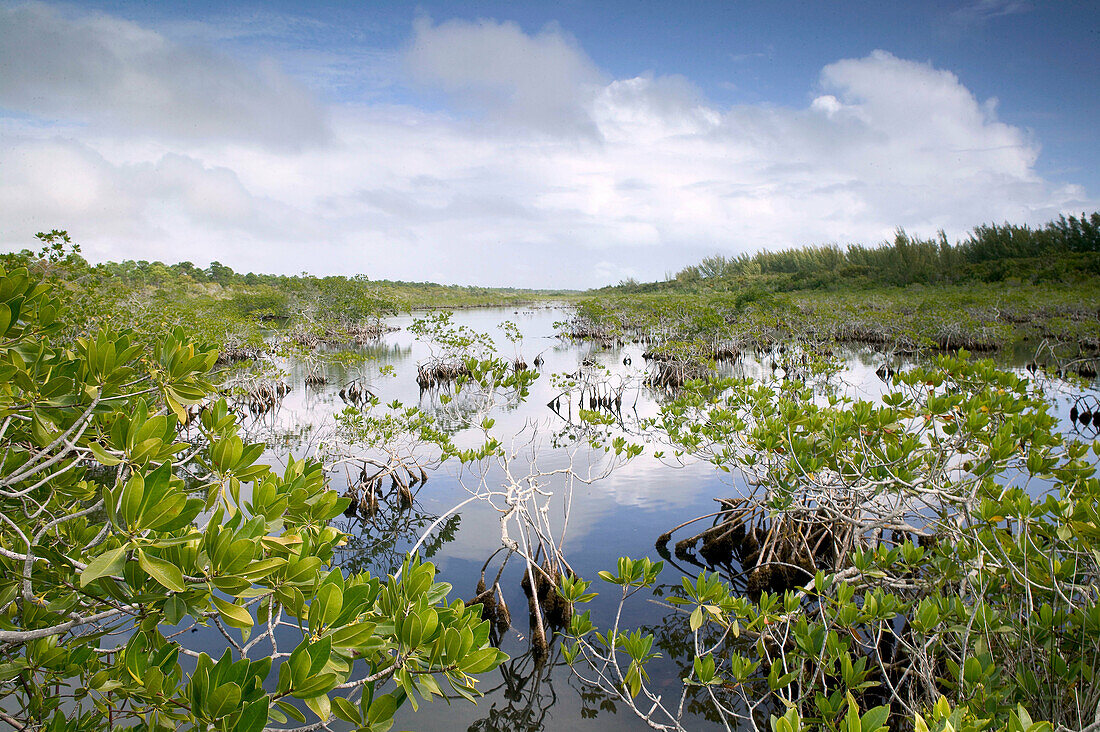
(142, 272)
(216, 305)
(1064, 249)
(352, 296)
(145, 272)
(250, 294)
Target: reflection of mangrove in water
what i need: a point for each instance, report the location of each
(386, 352)
(527, 687)
(454, 409)
(1084, 416)
(367, 489)
(280, 437)
(378, 544)
(383, 516)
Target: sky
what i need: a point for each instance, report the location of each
(556, 144)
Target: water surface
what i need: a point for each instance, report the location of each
(619, 515)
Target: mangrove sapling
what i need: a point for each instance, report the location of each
(450, 348)
(506, 474)
(106, 571)
(256, 390)
(510, 480)
(970, 527)
(385, 453)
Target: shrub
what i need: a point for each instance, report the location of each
(127, 520)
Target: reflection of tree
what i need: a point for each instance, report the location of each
(385, 352)
(528, 686)
(378, 543)
(282, 436)
(594, 701)
(454, 411)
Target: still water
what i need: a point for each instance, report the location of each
(621, 514)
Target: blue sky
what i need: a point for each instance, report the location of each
(553, 144)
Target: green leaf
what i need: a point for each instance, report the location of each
(696, 620)
(851, 718)
(223, 700)
(345, 710)
(163, 511)
(110, 563)
(320, 705)
(175, 406)
(875, 719)
(254, 716)
(102, 456)
(317, 685)
(382, 708)
(174, 610)
(130, 502)
(291, 711)
(233, 615)
(163, 572)
(333, 599)
(481, 661)
(353, 635)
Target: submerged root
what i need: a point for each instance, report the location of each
(367, 489)
(356, 393)
(672, 374)
(547, 608)
(439, 374)
(774, 553)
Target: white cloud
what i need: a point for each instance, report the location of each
(978, 12)
(540, 81)
(562, 178)
(108, 71)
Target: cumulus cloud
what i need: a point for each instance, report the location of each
(539, 81)
(562, 177)
(172, 207)
(105, 70)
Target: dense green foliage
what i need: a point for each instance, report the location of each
(941, 544)
(1005, 285)
(1065, 249)
(124, 523)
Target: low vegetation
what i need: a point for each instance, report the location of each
(925, 561)
(1062, 251)
(127, 523)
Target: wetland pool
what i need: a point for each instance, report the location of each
(621, 514)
